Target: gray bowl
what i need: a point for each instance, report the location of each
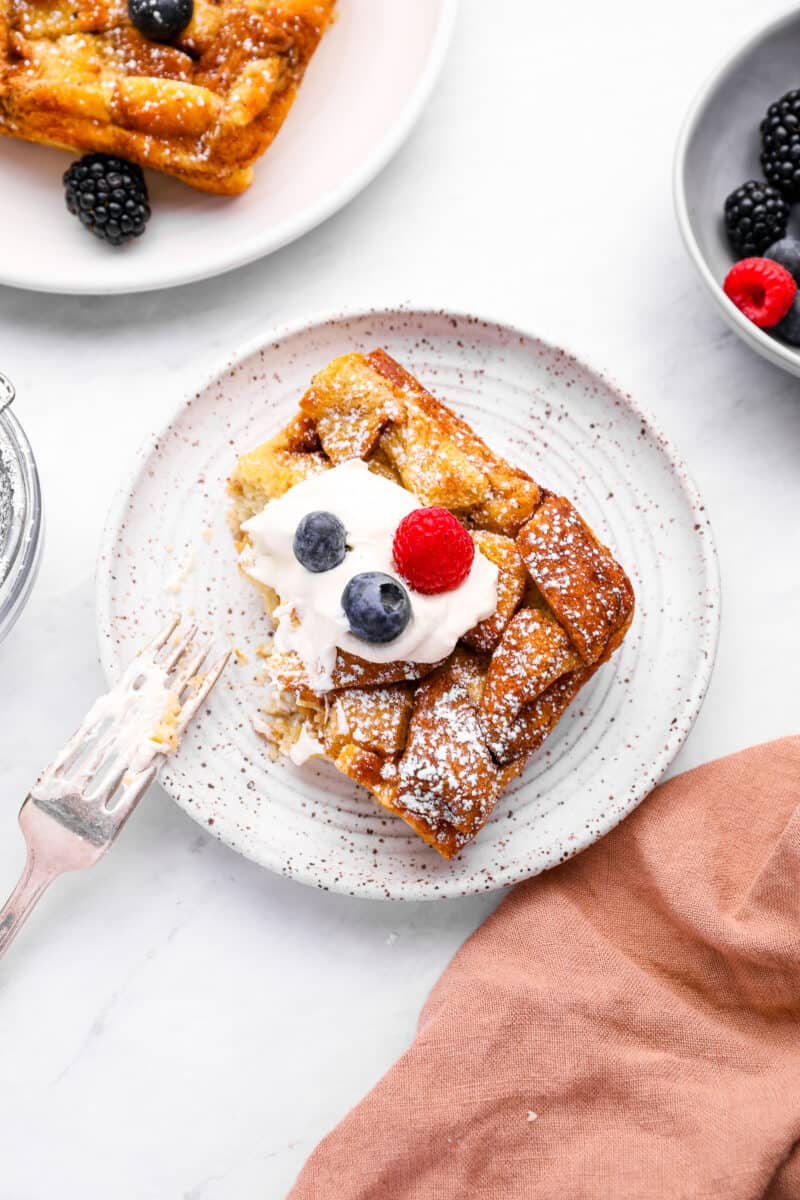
(719, 149)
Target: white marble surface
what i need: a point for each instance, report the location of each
(178, 1023)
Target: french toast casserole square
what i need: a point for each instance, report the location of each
(202, 107)
(434, 742)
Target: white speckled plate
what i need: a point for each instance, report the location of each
(364, 89)
(167, 545)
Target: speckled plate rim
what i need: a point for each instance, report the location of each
(675, 736)
(779, 354)
(306, 220)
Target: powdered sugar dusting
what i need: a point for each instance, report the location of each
(447, 775)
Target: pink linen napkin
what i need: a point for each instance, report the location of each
(625, 1027)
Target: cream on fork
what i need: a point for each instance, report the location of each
(81, 801)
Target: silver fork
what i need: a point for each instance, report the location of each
(80, 802)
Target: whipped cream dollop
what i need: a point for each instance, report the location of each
(310, 619)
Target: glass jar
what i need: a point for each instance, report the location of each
(20, 513)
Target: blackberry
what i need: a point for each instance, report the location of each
(756, 215)
(109, 196)
(780, 137)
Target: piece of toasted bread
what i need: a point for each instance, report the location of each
(437, 743)
(203, 107)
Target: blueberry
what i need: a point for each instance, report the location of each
(788, 330)
(161, 20)
(787, 253)
(377, 606)
(320, 542)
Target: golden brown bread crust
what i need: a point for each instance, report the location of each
(350, 406)
(375, 718)
(78, 75)
(442, 460)
(349, 671)
(436, 744)
(533, 653)
(578, 576)
(512, 580)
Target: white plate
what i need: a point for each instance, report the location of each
(365, 87)
(167, 545)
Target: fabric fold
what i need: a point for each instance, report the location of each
(624, 1027)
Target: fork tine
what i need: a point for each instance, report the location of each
(151, 649)
(100, 754)
(176, 653)
(102, 795)
(190, 669)
(87, 731)
(92, 763)
(88, 726)
(191, 706)
(79, 740)
(70, 749)
(134, 790)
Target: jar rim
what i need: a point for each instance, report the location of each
(23, 563)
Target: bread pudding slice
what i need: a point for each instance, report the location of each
(202, 107)
(435, 742)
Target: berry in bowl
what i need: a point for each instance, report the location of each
(737, 190)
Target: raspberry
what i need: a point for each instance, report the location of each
(432, 550)
(762, 289)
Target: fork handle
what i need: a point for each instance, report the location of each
(34, 879)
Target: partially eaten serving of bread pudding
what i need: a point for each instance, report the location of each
(435, 609)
